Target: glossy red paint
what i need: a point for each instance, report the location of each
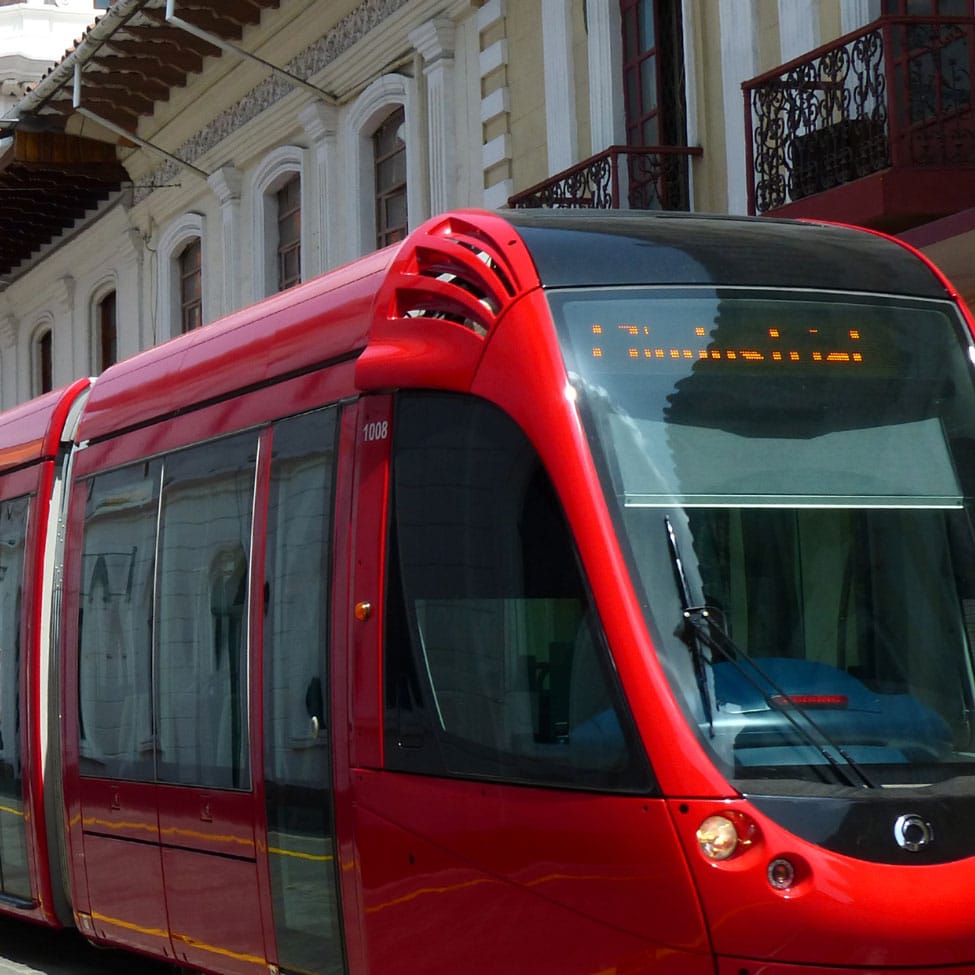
(435, 875)
(841, 912)
(325, 320)
(31, 437)
(583, 868)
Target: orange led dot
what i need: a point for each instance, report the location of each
(858, 357)
(658, 353)
(854, 333)
(752, 356)
(597, 330)
(629, 329)
(731, 354)
(688, 354)
(817, 357)
(699, 331)
(702, 354)
(675, 353)
(597, 353)
(633, 354)
(793, 356)
(777, 356)
(648, 353)
(773, 333)
(715, 354)
(838, 357)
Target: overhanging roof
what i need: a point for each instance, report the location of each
(127, 62)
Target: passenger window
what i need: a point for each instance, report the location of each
(14, 865)
(115, 617)
(495, 661)
(201, 654)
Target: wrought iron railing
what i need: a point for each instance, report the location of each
(620, 177)
(897, 93)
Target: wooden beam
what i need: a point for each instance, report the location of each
(57, 149)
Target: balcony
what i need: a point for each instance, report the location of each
(620, 177)
(875, 128)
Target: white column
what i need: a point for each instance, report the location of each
(226, 183)
(605, 48)
(739, 62)
(799, 30)
(320, 189)
(434, 41)
(63, 366)
(129, 305)
(9, 330)
(857, 13)
(561, 125)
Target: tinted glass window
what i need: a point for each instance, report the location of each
(115, 615)
(297, 733)
(202, 614)
(14, 870)
(495, 660)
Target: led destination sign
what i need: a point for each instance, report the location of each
(807, 345)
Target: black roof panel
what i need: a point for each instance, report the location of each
(605, 247)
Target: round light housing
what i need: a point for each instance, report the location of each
(781, 873)
(717, 837)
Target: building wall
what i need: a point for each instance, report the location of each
(499, 94)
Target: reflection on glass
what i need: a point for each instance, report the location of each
(791, 475)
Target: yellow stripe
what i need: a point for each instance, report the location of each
(130, 926)
(184, 938)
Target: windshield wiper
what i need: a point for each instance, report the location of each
(698, 627)
(688, 632)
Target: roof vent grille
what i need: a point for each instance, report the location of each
(454, 273)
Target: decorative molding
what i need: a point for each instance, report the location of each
(65, 293)
(345, 34)
(226, 183)
(9, 327)
(434, 40)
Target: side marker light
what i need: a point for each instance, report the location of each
(717, 837)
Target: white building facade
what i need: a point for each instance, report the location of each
(327, 129)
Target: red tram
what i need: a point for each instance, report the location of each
(554, 593)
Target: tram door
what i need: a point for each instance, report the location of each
(297, 732)
(14, 873)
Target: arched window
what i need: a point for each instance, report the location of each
(43, 356)
(105, 332)
(190, 262)
(181, 259)
(288, 200)
(278, 187)
(389, 154)
(384, 138)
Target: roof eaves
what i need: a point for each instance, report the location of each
(62, 74)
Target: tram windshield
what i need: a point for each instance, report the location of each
(793, 478)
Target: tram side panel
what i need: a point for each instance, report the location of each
(196, 692)
(24, 871)
(498, 783)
